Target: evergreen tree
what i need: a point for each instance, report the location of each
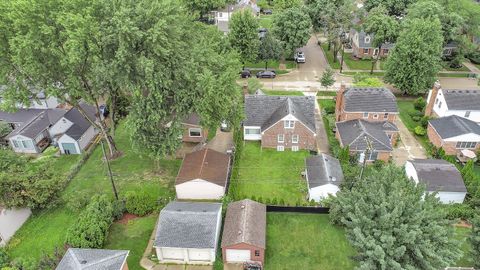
(243, 35)
(475, 240)
(393, 224)
(327, 79)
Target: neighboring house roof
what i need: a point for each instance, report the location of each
(453, 125)
(192, 119)
(205, 164)
(369, 99)
(20, 116)
(462, 99)
(353, 133)
(80, 124)
(363, 45)
(93, 259)
(245, 222)
(188, 225)
(38, 123)
(439, 175)
(323, 169)
(265, 111)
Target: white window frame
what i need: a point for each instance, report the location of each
(257, 131)
(280, 138)
(371, 154)
(280, 148)
(365, 115)
(16, 144)
(192, 129)
(294, 148)
(289, 124)
(466, 145)
(295, 138)
(220, 14)
(367, 39)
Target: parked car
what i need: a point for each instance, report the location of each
(104, 110)
(224, 126)
(266, 74)
(267, 11)
(245, 73)
(299, 57)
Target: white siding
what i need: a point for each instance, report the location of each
(10, 221)
(464, 138)
(185, 255)
(252, 137)
(440, 108)
(444, 111)
(60, 127)
(451, 197)
(321, 192)
(32, 150)
(68, 139)
(199, 189)
(411, 172)
(474, 115)
(87, 137)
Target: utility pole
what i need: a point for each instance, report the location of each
(368, 150)
(109, 170)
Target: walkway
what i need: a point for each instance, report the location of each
(408, 147)
(322, 139)
(222, 141)
(472, 67)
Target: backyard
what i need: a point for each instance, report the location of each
(46, 230)
(266, 174)
(406, 110)
(461, 235)
(306, 241)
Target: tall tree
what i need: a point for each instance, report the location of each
(243, 35)
(396, 8)
(270, 49)
(292, 28)
(393, 224)
(286, 4)
(327, 79)
(202, 7)
(416, 58)
(383, 27)
(475, 240)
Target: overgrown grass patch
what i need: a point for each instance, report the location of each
(353, 63)
(461, 235)
(265, 21)
(283, 93)
(329, 55)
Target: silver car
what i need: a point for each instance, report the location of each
(299, 57)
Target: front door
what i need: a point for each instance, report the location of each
(69, 148)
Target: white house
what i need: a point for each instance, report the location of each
(222, 16)
(188, 233)
(73, 133)
(10, 221)
(203, 175)
(324, 176)
(438, 176)
(446, 102)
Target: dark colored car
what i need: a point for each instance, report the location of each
(245, 73)
(104, 110)
(267, 11)
(266, 74)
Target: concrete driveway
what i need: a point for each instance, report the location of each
(408, 148)
(222, 141)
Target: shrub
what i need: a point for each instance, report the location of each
(459, 211)
(77, 202)
(416, 118)
(424, 121)
(420, 131)
(139, 204)
(415, 113)
(91, 228)
(329, 109)
(253, 84)
(118, 209)
(4, 258)
(419, 104)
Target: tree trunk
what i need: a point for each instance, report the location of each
(113, 109)
(103, 128)
(334, 52)
(341, 63)
(266, 65)
(374, 62)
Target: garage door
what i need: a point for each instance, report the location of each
(199, 254)
(172, 253)
(69, 148)
(238, 255)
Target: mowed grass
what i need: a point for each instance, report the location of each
(405, 107)
(272, 64)
(46, 230)
(265, 21)
(361, 64)
(329, 55)
(306, 241)
(133, 236)
(462, 234)
(272, 175)
(283, 93)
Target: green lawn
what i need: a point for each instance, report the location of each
(46, 229)
(265, 21)
(306, 241)
(270, 174)
(329, 56)
(282, 93)
(352, 63)
(326, 94)
(375, 73)
(273, 64)
(453, 75)
(132, 236)
(462, 234)
(405, 107)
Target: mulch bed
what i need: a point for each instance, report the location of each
(126, 217)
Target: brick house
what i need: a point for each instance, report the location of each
(244, 232)
(192, 130)
(454, 134)
(281, 122)
(366, 116)
(362, 45)
(86, 258)
(445, 102)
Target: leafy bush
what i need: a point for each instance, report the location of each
(420, 131)
(77, 202)
(416, 118)
(419, 104)
(139, 204)
(415, 113)
(459, 211)
(424, 121)
(369, 82)
(91, 228)
(5, 129)
(329, 109)
(4, 258)
(118, 209)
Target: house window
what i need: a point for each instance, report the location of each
(294, 148)
(195, 132)
(27, 144)
(467, 114)
(375, 116)
(385, 116)
(16, 144)
(365, 51)
(440, 105)
(373, 156)
(281, 138)
(466, 145)
(447, 52)
(389, 136)
(365, 115)
(252, 131)
(436, 101)
(289, 124)
(294, 138)
(257, 253)
(280, 148)
(385, 51)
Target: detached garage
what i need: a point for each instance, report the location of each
(188, 233)
(203, 175)
(324, 176)
(244, 232)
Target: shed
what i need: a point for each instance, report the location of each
(324, 176)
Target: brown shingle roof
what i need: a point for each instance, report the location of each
(246, 222)
(206, 164)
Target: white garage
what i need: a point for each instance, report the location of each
(188, 233)
(238, 255)
(324, 176)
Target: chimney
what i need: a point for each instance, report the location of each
(432, 96)
(339, 101)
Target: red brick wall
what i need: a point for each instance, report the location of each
(306, 138)
(344, 116)
(359, 53)
(252, 249)
(448, 147)
(187, 138)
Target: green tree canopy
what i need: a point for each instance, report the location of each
(286, 4)
(270, 49)
(416, 58)
(243, 35)
(202, 7)
(475, 240)
(393, 224)
(327, 79)
(395, 7)
(292, 28)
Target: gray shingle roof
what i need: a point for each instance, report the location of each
(20, 116)
(245, 222)
(264, 111)
(192, 119)
(363, 45)
(439, 175)
(453, 125)
(188, 225)
(367, 99)
(93, 259)
(462, 99)
(354, 132)
(38, 123)
(80, 124)
(323, 169)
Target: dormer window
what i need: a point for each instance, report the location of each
(289, 124)
(220, 14)
(367, 39)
